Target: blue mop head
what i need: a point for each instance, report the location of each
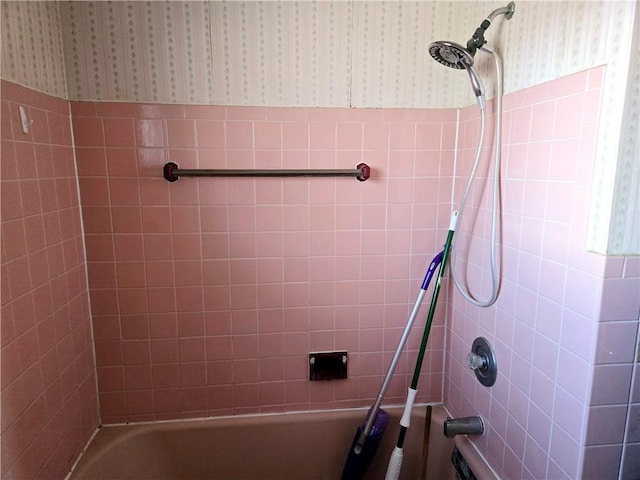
(358, 463)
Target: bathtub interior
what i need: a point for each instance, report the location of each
(310, 445)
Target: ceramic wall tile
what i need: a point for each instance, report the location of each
(549, 374)
(48, 373)
(255, 272)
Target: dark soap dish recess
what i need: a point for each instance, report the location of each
(328, 365)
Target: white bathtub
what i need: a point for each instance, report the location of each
(304, 446)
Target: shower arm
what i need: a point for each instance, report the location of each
(506, 11)
(477, 40)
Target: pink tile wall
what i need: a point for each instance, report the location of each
(549, 314)
(208, 294)
(49, 405)
(612, 439)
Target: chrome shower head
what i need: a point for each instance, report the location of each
(456, 56)
(451, 55)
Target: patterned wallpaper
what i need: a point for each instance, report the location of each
(298, 53)
(282, 53)
(331, 54)
(32, 46)
(141, 51)
(625, 234)
(303, 53)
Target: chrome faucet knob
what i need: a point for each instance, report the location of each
(482, 360)
(475, 361)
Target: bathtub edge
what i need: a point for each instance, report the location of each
(107, 436)
(474, 458)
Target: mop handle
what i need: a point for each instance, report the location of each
(434, 300)
(403, 340)
(395, 462)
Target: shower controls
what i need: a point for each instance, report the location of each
(482, 360)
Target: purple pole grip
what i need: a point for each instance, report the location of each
(432, 268)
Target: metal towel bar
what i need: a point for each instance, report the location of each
(172, 172)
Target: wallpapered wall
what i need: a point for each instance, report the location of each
(362, 54)
(32, 46)
(336, 54)
(627, 199)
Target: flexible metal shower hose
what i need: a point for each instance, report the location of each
(495, 281)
